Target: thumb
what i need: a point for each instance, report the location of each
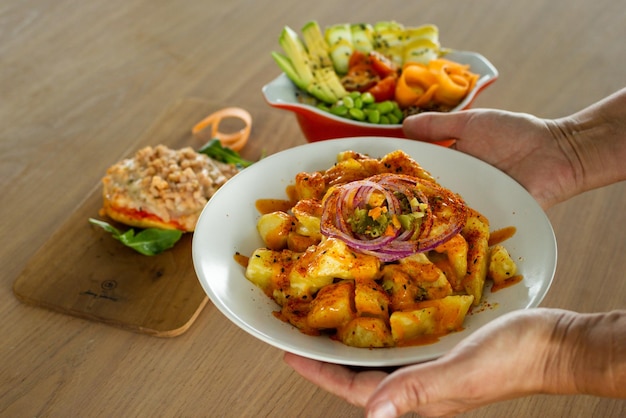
(436, 126)
(418, 388)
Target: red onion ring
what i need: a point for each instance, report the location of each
(444, 217)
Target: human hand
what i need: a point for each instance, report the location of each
(503, 360)
(529, 149)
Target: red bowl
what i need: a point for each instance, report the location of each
(318, 125)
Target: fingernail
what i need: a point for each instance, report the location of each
(383, 410)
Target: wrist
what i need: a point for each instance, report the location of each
(594, 142)
(587, 355)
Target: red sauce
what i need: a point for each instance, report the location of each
(508, 282)
(501, 235)
(142, 215)
(273, 205)
(291, 193)
(419, 340)
(241, 259)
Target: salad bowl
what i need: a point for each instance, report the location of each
(319, 125)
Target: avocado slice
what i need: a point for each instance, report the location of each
(285, 64)
(308, 64)
(316, 45)
(297, 54)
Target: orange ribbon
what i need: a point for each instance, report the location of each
(233, 140)
(440, 81)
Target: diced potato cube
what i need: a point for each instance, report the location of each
(456, 249)
(451, 311)
(407, 325)
(274, 229)
(400, 162)
(402, 293)
(432, 317)
(309, 186)
(331, 259)
(296, 311)
(267, 269)
(426, 276)
(366, 332)
(476, 233)
(308, 213)
(443, 263)
(332, 306)
(350, 155)
(350, 169)
(299, 243)
(370, 299)
(501, 265)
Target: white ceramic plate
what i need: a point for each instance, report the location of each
(228, 225)
(282, 92)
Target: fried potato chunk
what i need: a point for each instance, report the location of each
(332, 306)
(366, 332)
(274, 229)
(476, 233)
(501, 265)
(432, 317)
(331, 259)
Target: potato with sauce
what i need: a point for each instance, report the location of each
(407, 271)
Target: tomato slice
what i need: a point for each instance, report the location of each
(371, 72)
(384, 89)
(361, 76)
(357, 58)
(382, 65)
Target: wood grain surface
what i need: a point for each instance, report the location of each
(81, 270)
(80, 84)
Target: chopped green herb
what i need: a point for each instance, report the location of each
(362, 223)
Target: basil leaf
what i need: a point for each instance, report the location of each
(215, 150)
(150, 241)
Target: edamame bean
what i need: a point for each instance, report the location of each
(339, 110)
(368, 98)
(363, 107)
(393, 119)
(357, 114)
(385, 107)
(373, 115)
(348, 102)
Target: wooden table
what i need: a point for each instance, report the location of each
(81, 81)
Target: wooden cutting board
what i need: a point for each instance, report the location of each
(84, 272)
